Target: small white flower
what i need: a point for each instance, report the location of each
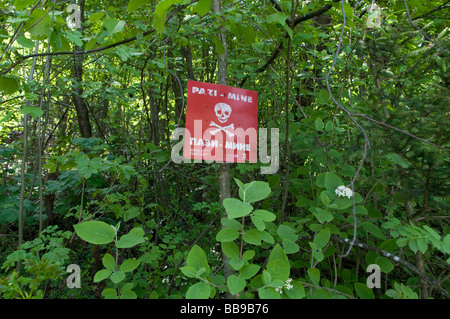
(344, 191)
(288, 285)
(279, 290)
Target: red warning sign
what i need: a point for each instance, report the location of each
(221, 123)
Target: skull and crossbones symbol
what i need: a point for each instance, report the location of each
(223, 112)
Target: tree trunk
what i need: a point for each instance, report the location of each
(77, 74)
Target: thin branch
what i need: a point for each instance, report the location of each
(401, 131)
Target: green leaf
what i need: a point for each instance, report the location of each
(109, 261)
(34, 111)
(296, 292)
(95, 232)
(363, 291)
(314, 275)
(200, 290)
(268, 293)
(318, 123)
(102, 274)
(227, 235)
(264, 215)
(133, 5)
(202, 7)
(278, 17)
(259, 224)
(197, 259)
(129, 265)
(374, 230)
(397, 159)
(159, 18)
(252, 237)
(290, 247)
(117, 276)
(332, 181)
(134, 237)
(236, 284)
(250, 270)
(236, 263)
(321, 214)
(22, 4)
(278, 265)
(189, 271)
(385, 264)
(109, 293)
(230, 249)
(25, 42)
(236, 208)
(287, 232)
(8, 85)
(255, 191)
(113, 25)
(322, 238)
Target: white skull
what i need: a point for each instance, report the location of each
(223, 112)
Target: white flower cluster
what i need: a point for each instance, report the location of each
(344, 191)
(287, 285)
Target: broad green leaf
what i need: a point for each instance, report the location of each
(197, 259)
(236, 284)
(161, 9)
(75, 37)
(200, 290)
(296, 292)
(231, 223)
(109, 262)
(332, 181)
(248, 271)
(259, 224)
(278, 264)
(109, 293)
(134, 237)
(287, 232)
(25, 42)
(321, 214)
(236, 208)
(230, 249)
(264, 215)
(322, 238)
(202, 7)
(22, 4)
(130, 213)
(117, 276)
(236, 263)
(363, 291)
(373, 230)
(95, 232)
(129, 265)
(133, 5)
(102, 274)
(252, 237)
(290, 247)
(34, 111)
(278, 17)
(227, 235)
(318, 124)
(39, 24)
(255, 191)
(385, 264)
(113, 25)
(268, 293)
(8, 85)
(314, 275)
(397, 159)
(189, 271)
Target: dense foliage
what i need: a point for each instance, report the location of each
(90, 96)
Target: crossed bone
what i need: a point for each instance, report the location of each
(222, 128)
